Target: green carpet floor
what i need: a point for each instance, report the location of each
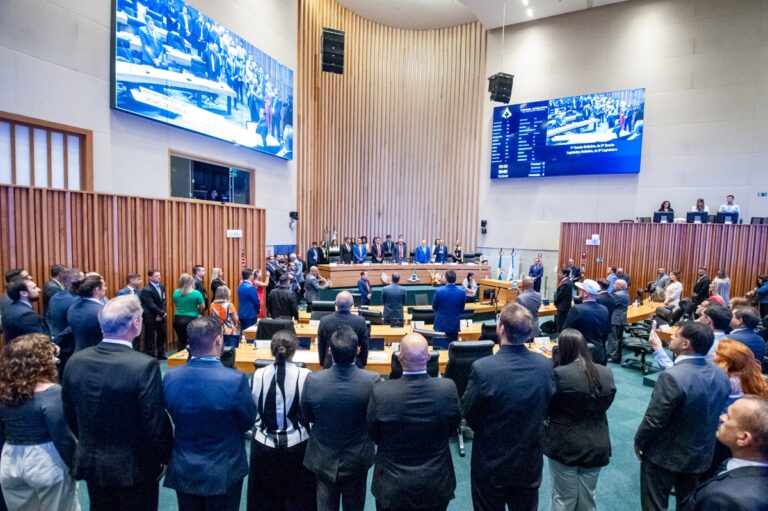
(618, 488)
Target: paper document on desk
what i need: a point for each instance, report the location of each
(377, 355)
(306, 356)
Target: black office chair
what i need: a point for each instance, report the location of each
(428, 317)
(433, 366)
(418, 308)
(356, 299)
(322, 305)
(318, 315)
(461, 356)
(488, 332)
(228, 357)
(376, 317)
(268, 327)
(756, 220)
(645, 219)
(468, 314)
(428, 334)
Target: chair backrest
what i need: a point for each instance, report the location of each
(461, 355)
(322, 305)
(356, 299)
(419, 308)
(260, 363)
(756, 220)
(376, 317)
(468, 314)
(268, 327)
(440, 343)
(433, 366)
(318, 315)
(428, 334)
(428, 317)
(645, 219)
(488, 332)
(421, 299)
(228, 356)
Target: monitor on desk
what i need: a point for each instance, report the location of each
(727, 218)
(663, 217)
(695, 217)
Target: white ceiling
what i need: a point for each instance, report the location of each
(425, 14)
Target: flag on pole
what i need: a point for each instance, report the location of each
(500, 271)
(326, 246)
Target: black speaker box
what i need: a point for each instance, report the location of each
(294, 215)
(500, 87)
(332, 50)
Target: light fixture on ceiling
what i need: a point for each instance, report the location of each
(529, 12)
(525, 3)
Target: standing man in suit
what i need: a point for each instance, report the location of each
(700, 290)
(441, 252)
(393, 297)
(312, 286)
(360, 252)
(401, 250)
(340, 449)
(605, 297)
(389, 249)
(153, 301)
(332, 322)
(133, 287)
(591, 319)
(364, 288)
(743, 324)
(211, 408)
(345, 251)
(19, 318)
(536, 271)
(574, 272)
(198, 272)
(53, 285)
(505, 402)
(563, 298)
(313, 255)
(448, 305)
(282, 302)
(422, 253)
(377, 251)
(10, 276)
(83, 316)
(248, 298)
(676, 439)
(56, 317)
(744, 482)
(113, 403)
(531, 300)
(618, 321)
(411, 419)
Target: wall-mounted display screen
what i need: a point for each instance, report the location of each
(173, 64)
(599, 133)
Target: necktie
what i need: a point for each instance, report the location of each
(401, 250)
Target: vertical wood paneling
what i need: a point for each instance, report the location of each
(740, 250)
(392, 145)
(117, 235)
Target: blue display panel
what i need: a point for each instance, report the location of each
(598, 133)
(173, 64)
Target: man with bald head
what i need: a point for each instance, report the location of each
(332, 322)
(312, 285)
(531, 300)
(411, 419)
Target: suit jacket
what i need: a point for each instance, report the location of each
(411, 419)
(621, 304)
(536, 271)
(564, 296)
(50, 288)
(128, 291)
(152, 302)
(248, 301)
(421, 255)
(330, 323)
(744, 488)
(508, 392)
(377, 253)
(591, 319)
(575, 273)
(531, 300)
(363, 287)
(701, 289)
(282, 303)
(336, 401)
(313, 257)
(56, 317)
(211, 407)
(393, 297)
(448, 305)
(360, 253)
(752, 340)
(83, 319)
(389, 248)
(345, 252)
(311, 288)
(201, 287)
(441, 254)
(678, 430)
(608, 301)
(113, 403)
(397, 250)
(21, 319)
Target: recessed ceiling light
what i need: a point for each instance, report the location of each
(525, 3)
(529, 12)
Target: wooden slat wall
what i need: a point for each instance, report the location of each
(116, 235)
(392, 145)
(740, 250)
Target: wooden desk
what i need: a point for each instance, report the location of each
(386, 332)
(479, 308)
(506, 291)
(347, 275)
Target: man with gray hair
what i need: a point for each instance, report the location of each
(113, 403)
(506, 398)
(531, 300)
(312, 285)
(332, 322)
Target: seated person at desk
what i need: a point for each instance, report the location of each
(330, 323)
(729, 206)
(470, 287)
(422, 254)
(666, 207)
(700, 207)
(393, 297)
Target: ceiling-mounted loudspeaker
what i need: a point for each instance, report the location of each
(294, 215)
(483, 226)
(332, 51)
(500, 87)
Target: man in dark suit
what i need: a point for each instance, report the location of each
(133, 287)
(743, 484)
(10, 276)
(249, 306)
(393, 297)
(401, 250)
(448, 305)
(591, 319)
(411, 419)
(282, 302)
(618, 320)
(113, 403)
(364, 288)
(53, 285)
(83, 316)
(345, 251)
(153, 301)
(377, 251)
(441, 252)
(700, 290)
(340, 450)
(198, 272)
(19, 318)
(563, 298)
(56, 317)
(359, 252)
(389, 249)
(536, 271)
(531, 300)
(211, 407)
(605, 297)
(332, 322)
(313, 255)
(676, 439)
(573, 271)
(743, 324)
(505, 402)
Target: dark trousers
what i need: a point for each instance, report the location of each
(247, 322)
(278, 480)
(560, 319)
(154, 337)
(487, 497)
(618, 335)
(657, 482)
(230, 501)
(180, 327)
(439, 507)
(349, 492)
(141, 497)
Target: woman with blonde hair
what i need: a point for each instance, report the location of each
(39, 447)
(189, 304)
(743, 369)
(223, 309)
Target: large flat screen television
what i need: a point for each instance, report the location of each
(172, 63)
(599, 133)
